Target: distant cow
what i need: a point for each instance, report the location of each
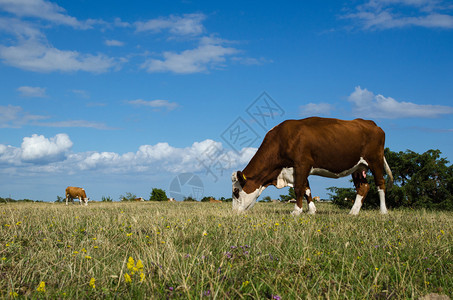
(295, 149)
(73, 192)
(212, 200)
(139, 199)
(171, 199)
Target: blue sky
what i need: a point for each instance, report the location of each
(122, 97)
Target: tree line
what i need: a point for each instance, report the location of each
(420, 181)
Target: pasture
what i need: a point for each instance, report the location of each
(203, 250)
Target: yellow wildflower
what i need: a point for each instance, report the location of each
(84, 250)
(13, 294)
(139, 265)
(87, 257)
(245, 283)
(18, 223)
(129, 234)
(130, 263)
(92, 283)
(41, 287)
(127, 278)
(142, 277)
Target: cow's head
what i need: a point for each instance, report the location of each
(241, 199)
(86, 200)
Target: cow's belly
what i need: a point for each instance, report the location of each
(360, 166)
(286, 176)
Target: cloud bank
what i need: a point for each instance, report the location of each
(387, 14)
(368, 104)
(29, 49)
(53, 155)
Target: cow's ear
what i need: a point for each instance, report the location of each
(241, 178)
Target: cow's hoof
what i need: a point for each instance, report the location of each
(295, 213)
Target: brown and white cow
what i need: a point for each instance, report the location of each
(295, 149)
(73, 192)
(212, 200)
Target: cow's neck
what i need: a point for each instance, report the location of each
(262, 170)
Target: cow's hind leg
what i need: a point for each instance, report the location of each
(311, 204)
(362, 187)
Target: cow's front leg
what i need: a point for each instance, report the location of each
(301, 188)
(66, 199)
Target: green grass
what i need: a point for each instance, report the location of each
(203, 250)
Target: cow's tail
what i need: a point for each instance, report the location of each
(389, 173)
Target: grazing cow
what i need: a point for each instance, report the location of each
(73, 192)
(295, 149)
(139, 199)
(171, 199)
(212, 200)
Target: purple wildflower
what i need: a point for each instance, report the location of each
(276, 297)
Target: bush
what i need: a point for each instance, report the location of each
(107, 199)
(128, 197)
(189, 199)
(158, 195)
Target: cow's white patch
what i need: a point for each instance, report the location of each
(308, 193)
(382, 201)
(357, 205)
(311, 208)
(285, 178)
(361, 165)
(297, 210)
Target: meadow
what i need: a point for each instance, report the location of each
(202, 250)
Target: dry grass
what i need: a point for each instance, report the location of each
(203, 250)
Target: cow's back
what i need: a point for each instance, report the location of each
(74, 192)
(329, 143)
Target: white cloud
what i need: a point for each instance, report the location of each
(52, 155)
(386, 14)
(188, 24)
(209, 54)
(14, 117)
(43, 10)
(39, 149)
(367, 104)
(315, 109)
(33, 92)
(114, 43)
(155, 103)
(34, 56)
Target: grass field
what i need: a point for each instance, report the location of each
(203, 250)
